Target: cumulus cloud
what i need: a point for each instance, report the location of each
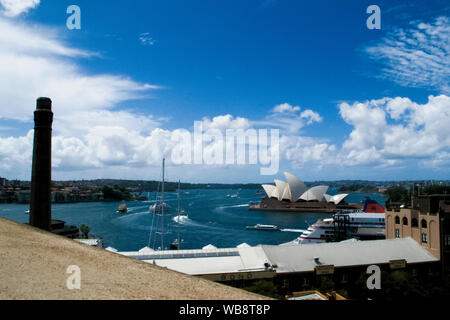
(225, 122)
(289, 119)
(13, 8)
(89, 130)
(418, 56)
(285, 107)
(300, 151)
(390, 130)
(91, 133)
(34, 61)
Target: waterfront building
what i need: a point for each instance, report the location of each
(294, 267)
(426, 220)
(293, 195)
(294, 190)
(23, 196)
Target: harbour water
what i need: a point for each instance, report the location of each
(216, 217)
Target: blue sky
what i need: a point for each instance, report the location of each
(164, 64)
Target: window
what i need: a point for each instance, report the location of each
(447, 240)
(424, 223)
(424, 238)
(397, 220)
(414, 223)
(405, 221)
(306, 281)
(397, 233)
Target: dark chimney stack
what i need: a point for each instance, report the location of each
(41, 202)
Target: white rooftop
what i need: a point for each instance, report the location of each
(91, 242)
(300, 258)
(288, 257)
(206, 260)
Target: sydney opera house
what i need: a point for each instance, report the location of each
(293, 195)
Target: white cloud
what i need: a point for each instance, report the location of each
(224, 122)
(146, 39)
(29, 70)
(417, 57)
(13, 8)
(285, 107)
(91, 133)
(310, 116)
(301, 151)
(390, 130)
(37, 40)
(289, 119)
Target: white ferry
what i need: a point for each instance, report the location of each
(361, 225)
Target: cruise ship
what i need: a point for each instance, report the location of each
(367, 224)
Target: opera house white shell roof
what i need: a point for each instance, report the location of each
(294, 189)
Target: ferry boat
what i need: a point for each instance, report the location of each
(360, 225)
(267, 227)
(122, 208)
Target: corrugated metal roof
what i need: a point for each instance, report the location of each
(213, 261)
(301, 258)
(289, 257)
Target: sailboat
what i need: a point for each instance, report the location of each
(175, 245)
(160, 207)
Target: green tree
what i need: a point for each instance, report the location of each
(398, 194)
(84, 231)
(266, 288)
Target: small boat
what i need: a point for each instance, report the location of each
(27, 212)
(267, 227)
(159, 208)
(123, 208)
(175, 245)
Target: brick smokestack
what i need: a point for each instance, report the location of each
(41, 202)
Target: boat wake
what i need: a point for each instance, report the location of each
(293, 230)
(132, 209)
(127, 216)
(238, 205)
(181, 219)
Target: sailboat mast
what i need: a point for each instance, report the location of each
(178, 227)
(178, 197)
(162, 207)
